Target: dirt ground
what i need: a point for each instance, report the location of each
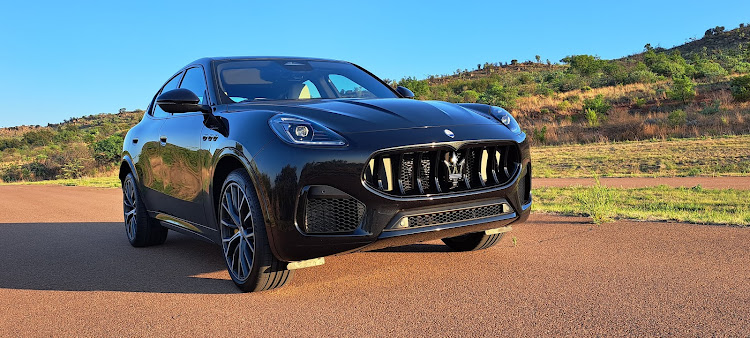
(66, 268)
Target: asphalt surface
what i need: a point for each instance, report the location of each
(741, 183)
(66, 269)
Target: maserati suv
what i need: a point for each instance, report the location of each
(284, 161)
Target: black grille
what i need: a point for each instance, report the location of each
(454, 216)
(333, 215)
(415, 172)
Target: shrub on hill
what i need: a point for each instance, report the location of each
(683, 88)
(741, 88)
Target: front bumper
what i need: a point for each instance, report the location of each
(283, 181)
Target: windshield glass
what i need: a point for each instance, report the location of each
(259, 80)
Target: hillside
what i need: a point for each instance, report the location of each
(697, 89)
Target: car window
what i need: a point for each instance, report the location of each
(196, 82)
(293, 79)
(349, 89)
(172, 84)
(309, 91)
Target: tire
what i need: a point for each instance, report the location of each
(244, 241)
(141, 229)
(472, 241)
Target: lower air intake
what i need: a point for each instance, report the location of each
(461, 215)
(326, 214)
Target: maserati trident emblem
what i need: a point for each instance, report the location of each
(449, 133)
(455, 168)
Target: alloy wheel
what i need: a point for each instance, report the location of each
(129, 207)
(237, 235)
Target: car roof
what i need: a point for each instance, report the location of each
(247, 58)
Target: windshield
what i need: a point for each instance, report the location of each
(259, 80)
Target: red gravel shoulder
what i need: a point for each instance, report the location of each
(64, 275)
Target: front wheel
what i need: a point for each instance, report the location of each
(247, 254)
(473, 241)
(141, 229)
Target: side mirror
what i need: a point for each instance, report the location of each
(403, 91)
(180, 100)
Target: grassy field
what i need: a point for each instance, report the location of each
(602, 204)
(98, 182)
(723, 156)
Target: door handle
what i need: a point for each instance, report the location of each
(163, 140)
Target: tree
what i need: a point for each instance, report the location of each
(683, 88)
(107, 150)
(538, 59)
(585, 65)
(741, 88)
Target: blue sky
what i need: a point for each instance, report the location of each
(67, 59)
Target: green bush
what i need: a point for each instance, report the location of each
(597, 105)
(108, 150)
(470, 96)
(741, 88)
(40, 137)
(683, 88)
(677, 117)
(585, 65)
(498, 95)
(592, 117)
(709, 69)
(541, 134)
(12, 173)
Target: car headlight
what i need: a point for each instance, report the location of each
(505, 118)
(297, 130)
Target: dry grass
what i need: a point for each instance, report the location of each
(724, 156)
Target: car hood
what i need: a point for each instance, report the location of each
(358, 115)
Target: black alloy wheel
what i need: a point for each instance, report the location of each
(141, 229)
(247, 254)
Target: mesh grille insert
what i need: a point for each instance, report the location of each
(333, 215)
(454, 216)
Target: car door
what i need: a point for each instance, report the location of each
(149, 162)
(180, 151)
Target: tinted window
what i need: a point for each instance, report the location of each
(258, 80)
(172, 84)
(196, 82)
(348, 88)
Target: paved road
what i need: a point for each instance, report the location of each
(742, 183)
(66, 269)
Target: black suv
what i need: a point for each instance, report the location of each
(284, 161)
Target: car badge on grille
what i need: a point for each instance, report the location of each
(455, 168)
(449, 133)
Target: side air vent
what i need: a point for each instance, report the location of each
(436, 170)
(327, 210)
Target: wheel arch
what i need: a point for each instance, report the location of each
(126, 166)
(228, 161)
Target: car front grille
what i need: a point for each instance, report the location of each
(454, 216)
(441, 169)
(333, 215)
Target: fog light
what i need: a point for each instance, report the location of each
(301, 131)
(403, 223)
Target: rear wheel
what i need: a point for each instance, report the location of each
(248, 256)
(473, 241)
(141, 229)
